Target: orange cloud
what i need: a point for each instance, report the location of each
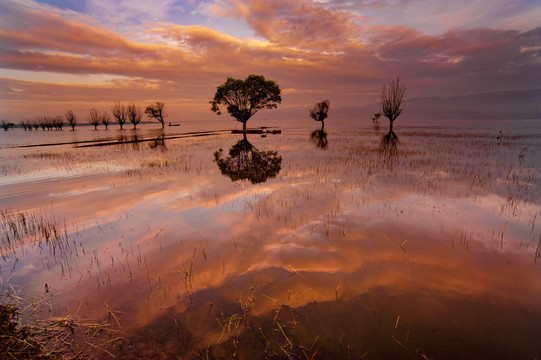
(297, 24)
(318, 51)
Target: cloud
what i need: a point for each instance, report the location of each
(298, 24)
(436, 17)
(311, 49)
(130, 12)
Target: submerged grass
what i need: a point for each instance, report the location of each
(320, 188)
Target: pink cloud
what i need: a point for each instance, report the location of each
(311, 50)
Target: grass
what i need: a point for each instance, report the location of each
(24, 342)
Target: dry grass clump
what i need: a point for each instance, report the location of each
(31, 342)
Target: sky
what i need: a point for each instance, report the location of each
(68, 54)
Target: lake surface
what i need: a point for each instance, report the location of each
(299, 245)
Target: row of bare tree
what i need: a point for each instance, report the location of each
(44, 122)
(392, 97)
(122, 114)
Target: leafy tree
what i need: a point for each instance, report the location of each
(71, 119)
(392, 96)
(134, 115)
(94, 118)
(319, 111)
(156, 111)
(119, 113)
(245, 162)
(243, 98)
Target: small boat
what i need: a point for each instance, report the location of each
(171, 124)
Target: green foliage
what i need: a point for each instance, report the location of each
(243, 98)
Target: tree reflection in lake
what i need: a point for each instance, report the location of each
(388, 145)
(319, 137)
(158, 143)
(132, 140)
(246, 162)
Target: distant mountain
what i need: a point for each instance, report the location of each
(524, 104)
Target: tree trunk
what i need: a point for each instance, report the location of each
(244, 126)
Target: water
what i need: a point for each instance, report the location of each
(347, 251)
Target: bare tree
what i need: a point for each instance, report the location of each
(156, 111)
(105, 120)
(7, 125)
(94, 118)
(57, 122)
(392, 96)
(319, 111)
(119, 113)
(26, 124)
(376, 117)
(134, 114)
(71, 119)
(42, 121)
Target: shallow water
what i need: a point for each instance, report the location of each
(429, 249)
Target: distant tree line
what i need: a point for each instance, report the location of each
(121, 114)
(7, 125)
(44, 122)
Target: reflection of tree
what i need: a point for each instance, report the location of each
(133, 141)
(158, 142)
(319, 137)
(245, 162)
(388, 145)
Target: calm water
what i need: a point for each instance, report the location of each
(298, 245)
